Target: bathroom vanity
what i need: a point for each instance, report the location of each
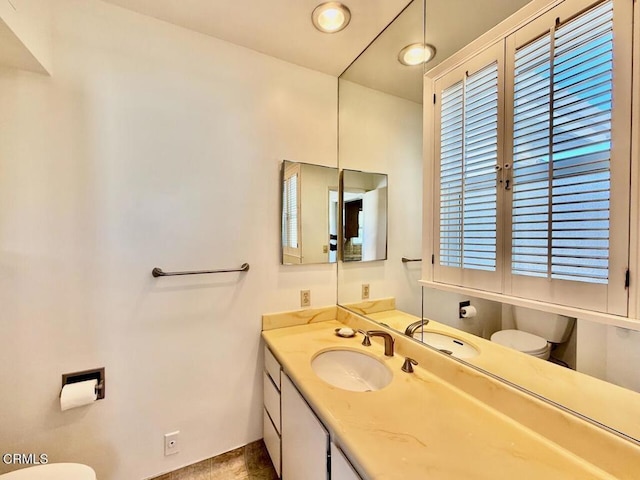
(445, 420)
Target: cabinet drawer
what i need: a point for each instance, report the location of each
(272, 401)
(272, 367)
(272, 441)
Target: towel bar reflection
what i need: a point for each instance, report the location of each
(157, 272)
(407, 260)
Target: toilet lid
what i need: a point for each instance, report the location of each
(522, 341)
(52, 471)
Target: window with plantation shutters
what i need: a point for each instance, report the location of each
(569, 226)
(532, 171)
(468, 145)
(562, 149)
(468, 160)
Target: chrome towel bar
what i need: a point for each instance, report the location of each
(157, 272)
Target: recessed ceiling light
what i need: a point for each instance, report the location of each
(416, 53)
(331, 17)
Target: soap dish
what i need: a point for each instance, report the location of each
(345, 332)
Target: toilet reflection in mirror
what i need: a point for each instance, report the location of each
(364, 216)
(309, 213)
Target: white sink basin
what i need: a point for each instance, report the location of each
(351, 370)
(451, 345)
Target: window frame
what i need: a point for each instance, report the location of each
(551, 296)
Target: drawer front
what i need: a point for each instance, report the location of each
(272, 441)
(272, 367)
(272, 401)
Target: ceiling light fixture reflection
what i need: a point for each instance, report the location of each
(331, 17)
(416, 53)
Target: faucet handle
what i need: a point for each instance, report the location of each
(365, 341)
(408, 365)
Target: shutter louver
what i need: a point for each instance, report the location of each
(562, 149)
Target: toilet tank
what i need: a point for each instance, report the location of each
(550, 326)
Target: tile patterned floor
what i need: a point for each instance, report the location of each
(250, 462)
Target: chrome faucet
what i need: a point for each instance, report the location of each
(388, 340)
(415, 326)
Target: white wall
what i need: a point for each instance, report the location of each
(444, 307)
(382, 133)
(149, 146)
(609, 353)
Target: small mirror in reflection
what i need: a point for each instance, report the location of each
(364, 216)
(309, 213)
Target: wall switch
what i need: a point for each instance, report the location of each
(171, 444)
(305, 298)
(365, 291)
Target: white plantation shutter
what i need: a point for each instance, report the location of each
(291, 211)
(532, 171)
(531, 113)
(562, 211)
(467, 134)
(451, 148)
(479, 169)
(562, 147)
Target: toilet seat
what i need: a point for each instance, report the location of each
(52, 471)
(524, 342)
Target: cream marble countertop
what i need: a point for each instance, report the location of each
(609, 404)
(419, 426)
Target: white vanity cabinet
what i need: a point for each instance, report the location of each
(305, 441)
(297, 441)
(341, 468)
(271, 414)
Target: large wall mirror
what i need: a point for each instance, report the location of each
(381, 130)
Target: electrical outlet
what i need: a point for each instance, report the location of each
(171, 444)
(365, 291)
(305, 298)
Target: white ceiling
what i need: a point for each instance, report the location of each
(279, 28)
(450, 25)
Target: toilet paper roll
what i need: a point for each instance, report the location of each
(78, 394)
(468, 312)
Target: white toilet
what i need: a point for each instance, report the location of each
(52, 471)
(535, 333)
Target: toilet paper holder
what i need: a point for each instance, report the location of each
(93, 374)
(462, 306)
